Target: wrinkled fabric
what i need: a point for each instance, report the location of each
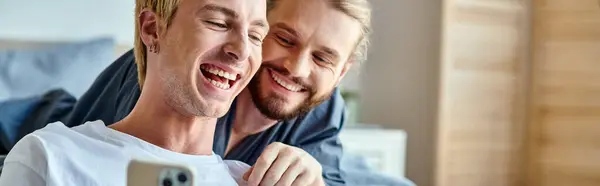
(93, 154)
(12, 114)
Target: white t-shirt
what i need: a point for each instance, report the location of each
(95, 155)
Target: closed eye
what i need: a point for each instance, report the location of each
(285, 42)
(320, 59)
(256, 39)
(217, 24)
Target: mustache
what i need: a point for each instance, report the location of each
(287, 73)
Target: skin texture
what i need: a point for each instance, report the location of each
(178, 107)
(308, 48)
(205, 32)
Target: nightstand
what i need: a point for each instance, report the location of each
(383, 149)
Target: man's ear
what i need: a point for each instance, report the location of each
(148, 27)
(345, 69)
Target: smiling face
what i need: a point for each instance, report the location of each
(305, 55)
(208, 54)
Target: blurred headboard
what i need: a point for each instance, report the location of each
(16, 44)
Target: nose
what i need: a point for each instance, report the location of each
(237, 48)
(298, 66)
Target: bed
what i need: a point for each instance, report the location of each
(29, 68)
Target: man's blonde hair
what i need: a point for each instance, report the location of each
(165, 10)
(359, 10)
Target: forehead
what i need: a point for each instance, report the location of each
(318, 24)
(247, 9)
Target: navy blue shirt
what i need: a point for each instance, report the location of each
(115, 92)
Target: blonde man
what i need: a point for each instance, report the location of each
(195, 57)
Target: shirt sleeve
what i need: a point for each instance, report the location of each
(25, 164)
(328, 152)
(317, 133)
(17, 174)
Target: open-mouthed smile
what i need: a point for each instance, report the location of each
(219, 77)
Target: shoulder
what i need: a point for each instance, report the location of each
(35, 143)
(29, 152)
(46, 146)
(53, 138)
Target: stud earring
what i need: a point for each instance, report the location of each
(153, 48)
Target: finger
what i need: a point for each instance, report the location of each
(302, 180)
(247, 174)
(284, 160)
(291, 174)
(263, 163)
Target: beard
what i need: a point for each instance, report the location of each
(274, 106)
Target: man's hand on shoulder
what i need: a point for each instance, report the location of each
(285, 165)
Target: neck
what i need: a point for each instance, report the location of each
(156, 122)
(248, 119)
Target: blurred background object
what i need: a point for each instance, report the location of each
(520, 93)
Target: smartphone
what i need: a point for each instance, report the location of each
(157, 173)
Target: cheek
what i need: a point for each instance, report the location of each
(271, 50)
(324, 80)
(255, 59)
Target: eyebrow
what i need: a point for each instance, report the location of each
(287, 29)
(261, 23)
(230, 13)
(216, 8)
(330, 52)
(333, 53)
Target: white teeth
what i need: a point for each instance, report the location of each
(220, 73)
(229, 76)
(219, 84)
(216, 72)
(212, 71)
(286, 85)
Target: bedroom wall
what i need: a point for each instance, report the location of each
(400, 78)
(62, 20)
(482, 124)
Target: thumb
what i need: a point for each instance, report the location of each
(247, 174)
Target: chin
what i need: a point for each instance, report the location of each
(216, 109)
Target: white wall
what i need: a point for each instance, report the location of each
(67, 19)
(400, 79)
